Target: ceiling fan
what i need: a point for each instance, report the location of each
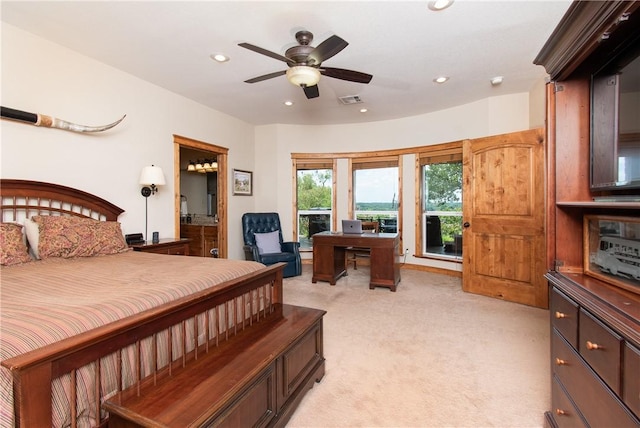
(305, 63)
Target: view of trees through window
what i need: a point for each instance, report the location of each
(314, 203)
(443, 207)
(376, 196)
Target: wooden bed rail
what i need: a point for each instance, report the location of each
(233, 306)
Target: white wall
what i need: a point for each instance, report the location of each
(538, 104)
(42, 77)
(39, 76)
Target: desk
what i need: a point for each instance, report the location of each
(329, 259)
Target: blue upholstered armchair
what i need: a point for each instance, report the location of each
(263, 242)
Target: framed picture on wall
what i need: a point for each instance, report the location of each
(242, 182)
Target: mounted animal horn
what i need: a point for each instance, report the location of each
(52, 122)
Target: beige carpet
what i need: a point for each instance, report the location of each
(428, 355)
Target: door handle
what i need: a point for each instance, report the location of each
(466, 224)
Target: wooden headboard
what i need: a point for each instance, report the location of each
(20, 199)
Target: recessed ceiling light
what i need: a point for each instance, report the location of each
(441, 79)
(438, 5)
(496, 80)
(363, 110)
(220, 57)
(288, 103)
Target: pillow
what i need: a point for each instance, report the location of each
(68, 237)
(13, 250)
(31, 232)
(268, 242)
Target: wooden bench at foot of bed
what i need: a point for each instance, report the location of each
(256, 378)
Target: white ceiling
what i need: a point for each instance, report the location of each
(403, 44)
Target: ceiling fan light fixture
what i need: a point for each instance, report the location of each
(303, 76)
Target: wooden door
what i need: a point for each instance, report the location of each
(503, 217)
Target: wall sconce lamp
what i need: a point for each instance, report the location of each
(151, 177)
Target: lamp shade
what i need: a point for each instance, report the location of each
(152, 175)
(303, 75)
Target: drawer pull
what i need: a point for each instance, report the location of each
(593, 346)
(560, 362)
(560, 315)
(560, 412)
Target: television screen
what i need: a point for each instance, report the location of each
(615, 122)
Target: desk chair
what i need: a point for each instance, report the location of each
(353, 253)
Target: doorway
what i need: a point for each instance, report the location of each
(181, 145)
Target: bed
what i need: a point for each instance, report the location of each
(80, 328)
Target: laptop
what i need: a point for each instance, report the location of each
(351, 226)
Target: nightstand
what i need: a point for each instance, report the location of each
(179, 247)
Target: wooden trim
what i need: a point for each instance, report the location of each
(580, 32)
(200, 145)
(629, 137)
(431, 269)
(443, 149)
(334, 195)
(223, 192)
(375, 154)
(294, 200)
(419, 203)
(399, 227)
(387, 162)
(550, 173)
(313, 164)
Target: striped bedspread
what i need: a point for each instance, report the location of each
(45, 301)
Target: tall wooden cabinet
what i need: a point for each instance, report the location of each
(595, 325)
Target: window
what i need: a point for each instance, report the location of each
(376, 192)
(441, 175)
(314, 199)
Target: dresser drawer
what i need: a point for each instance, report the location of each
(564, 413)
(564, 316)
(631, 378)
(597, 403)
(601, 348)
(180, 250)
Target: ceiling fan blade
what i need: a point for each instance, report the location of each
(350, 75)
(327, 49)
(265, 52)
(266, 76)
(311, 91)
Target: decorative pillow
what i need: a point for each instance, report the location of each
(78, 237)
(12, 247)
(268, 242)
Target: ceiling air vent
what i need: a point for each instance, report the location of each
(350, 99)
